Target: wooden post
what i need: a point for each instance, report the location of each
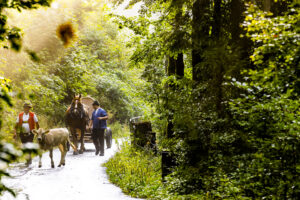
(142, 135)
(167, 162)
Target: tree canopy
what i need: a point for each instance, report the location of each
(224, 81)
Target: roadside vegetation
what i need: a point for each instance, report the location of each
(223, 82)
(119, 130)
(218, 80)
(138, 173)
(42, 64)
(95, 63)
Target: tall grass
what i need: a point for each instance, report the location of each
(119, 130)
(137, 172)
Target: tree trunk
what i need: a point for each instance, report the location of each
(236, 18)
(267, 5)
(171, 66)
(175, 67)
(200, 32)
(216, 31)
(179, 66)
(279, 7)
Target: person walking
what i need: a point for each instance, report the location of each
(98, 125)
(25, 123)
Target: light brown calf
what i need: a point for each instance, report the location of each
(58, 137)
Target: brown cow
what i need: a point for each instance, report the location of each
(58, 137)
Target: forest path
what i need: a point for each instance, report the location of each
(83, 178)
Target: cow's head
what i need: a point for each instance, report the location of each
(40, 134)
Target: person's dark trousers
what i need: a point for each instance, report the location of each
(27, 137)
(95, 137)
(98, 140)
(101, 140)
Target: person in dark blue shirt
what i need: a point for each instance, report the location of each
(98, 125)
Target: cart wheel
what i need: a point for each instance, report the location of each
(108, 138)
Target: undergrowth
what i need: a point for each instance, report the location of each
(138, 173)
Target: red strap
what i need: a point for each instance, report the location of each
(31, 121)
(21, 118)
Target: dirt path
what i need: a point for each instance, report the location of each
(83, 178)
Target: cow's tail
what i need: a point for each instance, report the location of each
(72, 145)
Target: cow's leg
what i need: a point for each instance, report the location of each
(40, 159)
(62, 155)
(51, 157)
(65, 146)
(75, 142)
(81, 141)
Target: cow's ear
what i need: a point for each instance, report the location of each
(34, 131)
(47, 131)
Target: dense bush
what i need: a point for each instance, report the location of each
(253, 153)
(138, 173)
(11, 38)
(9, 152)
(232, 119)
(268, 111)
(119, 130)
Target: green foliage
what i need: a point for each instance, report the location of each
(134, 170)
(235, 131)
(268, 111)
(96, 66)
(8, 155)
(9, 152)
(119, 130)
(13, 35)
(6, 104)
(234, 128)
(253, 153)
(138, 173)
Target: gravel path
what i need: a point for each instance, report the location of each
(83, 178)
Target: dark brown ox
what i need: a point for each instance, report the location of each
(58, 137)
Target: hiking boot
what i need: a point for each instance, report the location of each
(101, 154)
(97, 152)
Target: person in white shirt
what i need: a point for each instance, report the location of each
(25, 123)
